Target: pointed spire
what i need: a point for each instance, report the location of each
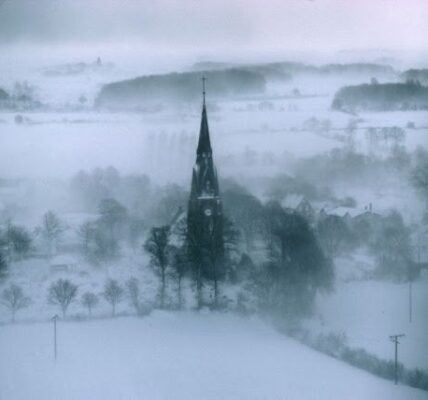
(204, 145)
(203, 90)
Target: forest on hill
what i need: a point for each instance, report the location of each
(382, 97)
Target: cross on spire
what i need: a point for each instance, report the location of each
(203, 89)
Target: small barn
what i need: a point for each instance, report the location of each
(63, 263)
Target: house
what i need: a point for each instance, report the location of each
(63, 263)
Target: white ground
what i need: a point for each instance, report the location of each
(369, 311)
(181, 356)
(176, 356)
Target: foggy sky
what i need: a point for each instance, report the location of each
(290, 24)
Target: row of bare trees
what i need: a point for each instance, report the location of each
(62, 293)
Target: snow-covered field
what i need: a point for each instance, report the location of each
(368, 312)
(58, 142)
(176, 356)
(184, 355)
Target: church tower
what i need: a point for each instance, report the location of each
(205, 214)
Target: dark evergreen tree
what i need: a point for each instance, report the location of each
(18, 241)
(245, 210)
(3, 266)
(231, 237)
(296, 268)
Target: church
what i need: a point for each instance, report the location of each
(205, 211)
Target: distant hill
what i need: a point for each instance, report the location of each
(289, 69)
(73, 69)
(212, 65)
(179, 87)
(225, 80)
(382, 97)
(351, 69)
(420, 75)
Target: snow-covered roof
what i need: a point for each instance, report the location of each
(292, 201)
(63, 259)
(343, 211)
(175, 236)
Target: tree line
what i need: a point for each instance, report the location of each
(63, 292)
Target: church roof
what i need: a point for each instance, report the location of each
(204, 145)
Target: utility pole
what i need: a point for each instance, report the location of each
(410, 301)
(394, 339)
(54, 319)
(418, 252)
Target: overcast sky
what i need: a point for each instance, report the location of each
(286, 24)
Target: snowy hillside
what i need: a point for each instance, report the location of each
(176, 356)
(367, 312)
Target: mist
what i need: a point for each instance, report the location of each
(198, 189)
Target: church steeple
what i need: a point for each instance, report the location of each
(205, 215)
(204, 145)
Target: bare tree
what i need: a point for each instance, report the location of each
(14, 299)
(51, 230)
(113, 293)
(86, 234)
(157, 245)
(134, 294)
(179, 265)
(89, 300)
(112, 219)
(62, 293)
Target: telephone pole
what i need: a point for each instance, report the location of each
(411, 276)
(394, 339)
(54, 319)
(410, 301)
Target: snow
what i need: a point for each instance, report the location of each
(184, 355)
(369, 311)
(343, 211)
(176, 356)
(292, 201)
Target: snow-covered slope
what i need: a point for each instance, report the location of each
(176, 356)
(367, 312)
